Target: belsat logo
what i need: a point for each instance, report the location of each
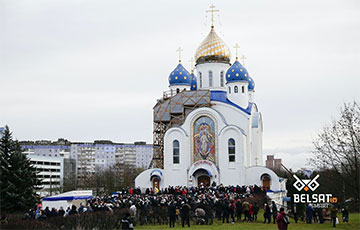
(317, 200)
(306, 184)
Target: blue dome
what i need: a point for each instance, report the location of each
(251, 84)
(193, 82)
(236, 73)
(180, 76)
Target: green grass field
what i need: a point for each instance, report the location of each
(354, 224)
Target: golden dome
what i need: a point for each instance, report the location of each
(212, 49)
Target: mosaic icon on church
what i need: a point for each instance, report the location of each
(204, 139)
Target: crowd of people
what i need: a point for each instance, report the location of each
(199, 205)
(320, 215)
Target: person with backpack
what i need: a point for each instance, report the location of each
(282, 220)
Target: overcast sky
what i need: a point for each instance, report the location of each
(88, 70)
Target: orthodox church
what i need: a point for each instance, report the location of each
(207, 127)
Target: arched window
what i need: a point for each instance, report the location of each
(222, 78)
(176, 152)
(243, 89)
(236, 89)
(200, 78)
(229, 89)
(210, 79)
(231, 149)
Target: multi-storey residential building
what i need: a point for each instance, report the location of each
(86, 157)
(62, 151)
(50, 170)
(90, 156)
(144, 154)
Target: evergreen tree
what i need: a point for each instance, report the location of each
(18, 177)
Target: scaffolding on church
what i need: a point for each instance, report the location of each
(171, 111)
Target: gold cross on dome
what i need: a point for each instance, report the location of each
(212, 11)
(179, 50)
(243, 59)
(237, 49)
(191, 64)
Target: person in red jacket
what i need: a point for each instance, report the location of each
(251, 211)
(282, 220)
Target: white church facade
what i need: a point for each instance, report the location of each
(221, 139)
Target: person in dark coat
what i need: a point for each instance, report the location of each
(61, 212)
(295, 213)
(238, 209)
(172, 214)
(185, 214)
(126, 222)
(267, 213)
(256, 210)
(345, 215)
(47, 212)
(73, 210)
(309, 214)
(274, 210)
(53, 213)
(333, 214)
(225, 211)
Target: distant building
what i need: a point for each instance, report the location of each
(87, 157)
(50, 170)
(62, 151)
(305, 172)
(2, 131)
(272, 163)
(90, 156)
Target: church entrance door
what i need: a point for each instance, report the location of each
(205, 180)
(266, 182)
(156, 183)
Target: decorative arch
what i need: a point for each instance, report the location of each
(266, 180)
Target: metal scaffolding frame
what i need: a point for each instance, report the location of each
(171, 111)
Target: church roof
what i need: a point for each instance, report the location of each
(179, 76)
(221, 97)
(165, 109)
(193, 82)
(212, 49)
(236, 72)
(251, 86)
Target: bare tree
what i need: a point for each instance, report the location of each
(337, 147)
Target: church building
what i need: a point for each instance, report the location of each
(207, 127)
